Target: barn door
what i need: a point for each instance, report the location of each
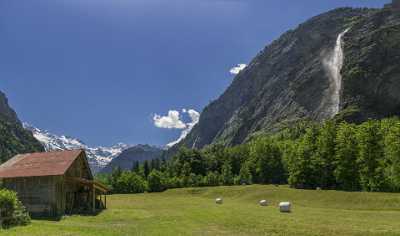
(69, 202)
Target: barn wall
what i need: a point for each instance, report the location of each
(77, 194)
(42, 196)
(79, 168)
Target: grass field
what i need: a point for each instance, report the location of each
(193, 212)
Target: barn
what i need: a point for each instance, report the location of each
(51, 184)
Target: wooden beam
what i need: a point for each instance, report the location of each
(101, 188)
(94, 199)
(91, 183)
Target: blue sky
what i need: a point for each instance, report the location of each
(100, 70)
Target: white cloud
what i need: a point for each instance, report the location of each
(236, 70)
(194, 116)
(171, 121)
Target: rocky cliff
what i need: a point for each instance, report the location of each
(371, 68)
(344, 63)
(14, 138)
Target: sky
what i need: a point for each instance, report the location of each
(134, 71)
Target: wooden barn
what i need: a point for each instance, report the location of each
(51, 184)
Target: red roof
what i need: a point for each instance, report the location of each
(39, 164)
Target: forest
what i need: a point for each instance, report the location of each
(308, 155)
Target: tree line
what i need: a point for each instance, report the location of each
(331, 155)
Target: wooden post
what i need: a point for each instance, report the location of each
(105, 201)
(94, 199)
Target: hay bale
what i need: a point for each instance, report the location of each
(219, 200)
(285, 207)
(263, 203)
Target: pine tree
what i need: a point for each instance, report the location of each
(135, 167)
(146, 168)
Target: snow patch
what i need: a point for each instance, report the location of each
(98, 157)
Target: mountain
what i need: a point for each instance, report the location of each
(343, 64)
(98, 157)
(14, 138)
(136, 153)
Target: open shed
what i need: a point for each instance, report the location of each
(52, 184)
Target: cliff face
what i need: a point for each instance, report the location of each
(285, 82)
(14, 138)
(6, 113)
(371, 71)
(345, 61)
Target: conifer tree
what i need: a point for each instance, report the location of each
(136, 167)
(146, 168)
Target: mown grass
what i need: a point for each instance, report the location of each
(193, 212)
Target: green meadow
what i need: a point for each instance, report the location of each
(192, 211)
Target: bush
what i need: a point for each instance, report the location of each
(212, 179)
(173, 182)
(12, 209)
(245, 175)
(129, 182)
(155, 181)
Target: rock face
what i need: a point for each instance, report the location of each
(289, 79)
(136, 153)
(6, 113)
(14, 138)
(371, 68)
(395, 5)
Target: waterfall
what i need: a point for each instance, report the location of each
(333, 64)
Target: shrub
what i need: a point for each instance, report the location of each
(12, 209)
(155, 181)
(129, 182)
(245, 175)
(212, 179)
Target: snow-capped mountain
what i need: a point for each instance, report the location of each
(98, 157)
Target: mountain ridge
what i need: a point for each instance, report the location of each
(98, 157)
(288, 81)
(14, 139)
(140, 153)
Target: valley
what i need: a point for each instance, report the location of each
(193, 211)
(311, 121)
